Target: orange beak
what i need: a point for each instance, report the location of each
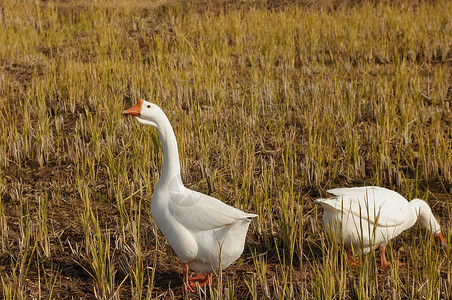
(136, 110)
(440, 239)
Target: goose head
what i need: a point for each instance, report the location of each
(427, 219)
(147, 113)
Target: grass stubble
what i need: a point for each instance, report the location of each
(271, 107)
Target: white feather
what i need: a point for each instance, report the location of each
(202, 230)
(370, 216)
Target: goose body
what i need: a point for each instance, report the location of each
(368, 217)
(202, 230)
(199, 227)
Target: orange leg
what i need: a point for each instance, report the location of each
(350, 258)
(187, 285)
(383, 261)
(200, 280)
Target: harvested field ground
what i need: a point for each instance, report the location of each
(272, 103)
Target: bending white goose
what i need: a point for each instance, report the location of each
(202, 230)
(371, 216)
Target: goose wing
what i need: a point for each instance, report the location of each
(378, 205)
(200, 212)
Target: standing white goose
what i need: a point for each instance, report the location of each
(202, 230)
(371, 216)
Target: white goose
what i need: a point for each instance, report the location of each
(371, 216)
(202, 230)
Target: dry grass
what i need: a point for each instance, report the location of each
(272, 103)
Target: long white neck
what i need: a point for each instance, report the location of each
(425, 216)
(171, 165)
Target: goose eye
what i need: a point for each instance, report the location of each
(149, 106)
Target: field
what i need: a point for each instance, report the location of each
(272, 103)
